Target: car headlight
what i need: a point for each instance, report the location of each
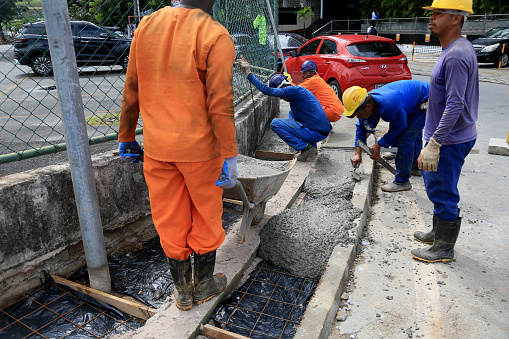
(490, 48)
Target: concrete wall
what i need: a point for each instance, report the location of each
(39, 227)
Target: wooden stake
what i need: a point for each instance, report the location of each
(217, 333)
(135, 309)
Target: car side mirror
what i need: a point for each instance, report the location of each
(293, 54)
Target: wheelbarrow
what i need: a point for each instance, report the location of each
(253, 193)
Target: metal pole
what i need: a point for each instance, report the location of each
(58, 28)
(136, 12)
(274, 29)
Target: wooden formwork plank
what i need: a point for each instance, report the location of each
(218, 333)
(274, 155)
(135, 309)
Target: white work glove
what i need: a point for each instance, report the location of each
(228, 176)
(428, 160)
(244, 64)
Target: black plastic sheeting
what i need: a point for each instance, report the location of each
(55, 311)
(144, 274)
(270, 304)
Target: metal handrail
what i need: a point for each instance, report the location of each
(484, 17)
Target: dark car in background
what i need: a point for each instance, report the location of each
(368, 61)
(93, 45)
(289, 42)
(489, 46)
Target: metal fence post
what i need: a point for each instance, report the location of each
(58, 28)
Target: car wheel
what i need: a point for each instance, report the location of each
(334, 84)
(125, 62)
(42, 65)
(503, 60)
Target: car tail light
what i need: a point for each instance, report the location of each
(350, 62)
(403, 60)
(20, 40)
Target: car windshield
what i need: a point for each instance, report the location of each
(111, 33)
(497, 33)
(35, 29)
(374, 49)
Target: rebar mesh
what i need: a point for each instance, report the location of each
(54, 311)
(270, 304)
(30, 116)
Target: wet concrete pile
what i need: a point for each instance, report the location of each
(301, 239)
(248, 167)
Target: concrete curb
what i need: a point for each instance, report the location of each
(321, 311)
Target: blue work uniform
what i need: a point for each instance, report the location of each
(451, 119)
(307, 121)
(399, 103)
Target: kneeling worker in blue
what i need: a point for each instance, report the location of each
(403, 105)
(307, 123)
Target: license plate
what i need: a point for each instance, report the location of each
(379, 85)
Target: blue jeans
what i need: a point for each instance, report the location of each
(442, 185)
(409, 145)
(295, 134)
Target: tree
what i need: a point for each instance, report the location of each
(304, 13)
(7, 11)
(413, 8)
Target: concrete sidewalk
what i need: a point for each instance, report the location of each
(393, 295)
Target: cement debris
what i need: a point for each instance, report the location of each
(302, 238)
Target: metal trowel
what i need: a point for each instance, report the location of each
(355, 173)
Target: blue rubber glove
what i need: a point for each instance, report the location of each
(130, 151)
(228, 176)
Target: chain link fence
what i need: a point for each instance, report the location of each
(30, 115)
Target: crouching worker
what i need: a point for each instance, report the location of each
(329, 100)
(402, 105)
(189, 137)
(307, 123)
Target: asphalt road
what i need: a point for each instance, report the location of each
(392, 295)
(30, 115)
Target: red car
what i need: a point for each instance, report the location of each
(343, 61)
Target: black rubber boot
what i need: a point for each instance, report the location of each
(206, 284)
(446, 234)
(182, 275)
(427, 238)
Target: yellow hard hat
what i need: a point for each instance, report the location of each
(353, 98)
(459, 5)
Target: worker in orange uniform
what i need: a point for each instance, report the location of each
(323, 92)
(182, 87)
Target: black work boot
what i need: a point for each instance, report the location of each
(306, 152)
(446, 234)
(206, 284)
(427, 238)
(181, 272)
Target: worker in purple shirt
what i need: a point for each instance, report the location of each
(450, 130)
(307, 123)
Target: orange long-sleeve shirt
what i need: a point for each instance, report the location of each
(179, 79)
(326, 96)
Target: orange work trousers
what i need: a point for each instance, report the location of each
(332, 114)
(186, 205)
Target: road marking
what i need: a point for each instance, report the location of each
(10, 89)
(427, 294)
